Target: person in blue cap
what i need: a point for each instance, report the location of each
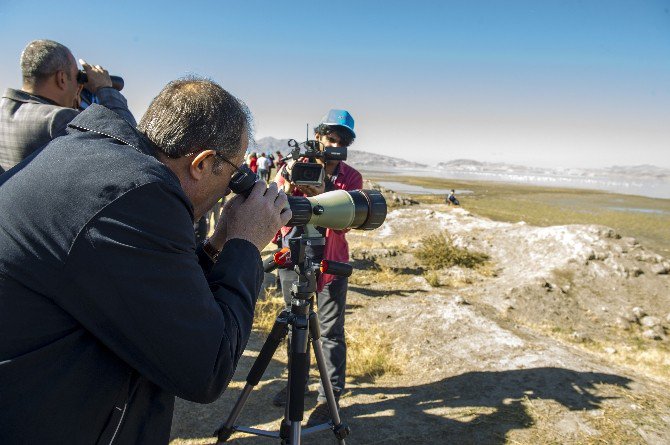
(335, 130)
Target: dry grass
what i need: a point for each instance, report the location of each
(267, 310)
(433, 279)
(368, 347)
(439, 252)
(369, 352)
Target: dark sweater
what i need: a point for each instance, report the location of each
(107, 310)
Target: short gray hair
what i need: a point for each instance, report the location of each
(42, 58)
(196, 113)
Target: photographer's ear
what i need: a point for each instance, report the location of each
(201, 165)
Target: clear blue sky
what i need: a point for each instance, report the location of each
(545, 83)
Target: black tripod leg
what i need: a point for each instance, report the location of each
(298, 372)
(277, 334)
(340, 429)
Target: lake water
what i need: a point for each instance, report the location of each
(400, 187)
(649, 188)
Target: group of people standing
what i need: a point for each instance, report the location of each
(262, 165)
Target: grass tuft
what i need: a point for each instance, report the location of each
(432, 278)
(369, 352)
(439, 252)
(267, 309)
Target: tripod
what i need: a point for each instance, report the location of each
(304, 325)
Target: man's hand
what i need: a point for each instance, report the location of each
(255, 219)
(98, 77)
(312, 190)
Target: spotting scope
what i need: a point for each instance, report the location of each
(338, 209)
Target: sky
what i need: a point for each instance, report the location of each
(540, 83)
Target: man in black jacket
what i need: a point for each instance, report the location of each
(107, 307)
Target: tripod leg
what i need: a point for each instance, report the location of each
(298, 371)
(277, 334)
(340, 429)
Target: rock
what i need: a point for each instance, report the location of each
(635, 271)
(654, 333)
(565, 289)
(650, 322)
(667, 318)
(660, 269)
(579, 337)
(549, 286)
(622, 323)
(638, 312)
(460, 300)
(610, 350)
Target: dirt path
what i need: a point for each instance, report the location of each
(479, 366)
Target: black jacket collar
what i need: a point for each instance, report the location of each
(106, 122)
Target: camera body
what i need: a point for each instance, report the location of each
(311, 172)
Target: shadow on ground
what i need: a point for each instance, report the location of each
(385, 293)
(471, 408)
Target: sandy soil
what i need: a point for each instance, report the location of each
(561, 338)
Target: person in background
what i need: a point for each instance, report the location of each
(271, 157)
(451, 198)
(280, 160)
(252, 162)
(46, 103)
(263, 165)
(336, 130)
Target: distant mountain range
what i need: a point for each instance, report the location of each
(361, 159)
(639, 172)
(372, 161)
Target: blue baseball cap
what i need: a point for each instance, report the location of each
(339, 118)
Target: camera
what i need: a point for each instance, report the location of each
(311, 172)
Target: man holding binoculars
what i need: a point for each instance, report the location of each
(48, 100)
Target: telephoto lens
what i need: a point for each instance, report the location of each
(338, 209)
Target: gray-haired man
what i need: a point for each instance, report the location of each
(47, 101)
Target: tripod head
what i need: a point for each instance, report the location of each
(296, 258)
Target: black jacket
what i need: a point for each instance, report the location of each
(107, 310)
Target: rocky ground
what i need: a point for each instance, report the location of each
(561, 337)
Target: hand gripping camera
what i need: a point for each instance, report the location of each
(311, 172)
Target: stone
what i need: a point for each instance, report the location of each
(652, 334)
(638, 312)
(579, 337)
(650, 322)
(460, 300)
(622, 323)
(610, 350)
(659, 269)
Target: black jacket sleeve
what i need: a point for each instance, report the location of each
(133, 280)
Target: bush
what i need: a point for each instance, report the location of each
(439, 252)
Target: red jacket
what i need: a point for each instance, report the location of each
(336, 248)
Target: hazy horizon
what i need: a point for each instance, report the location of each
(542, 84)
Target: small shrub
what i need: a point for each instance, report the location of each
(439, 252)
(432, 278)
